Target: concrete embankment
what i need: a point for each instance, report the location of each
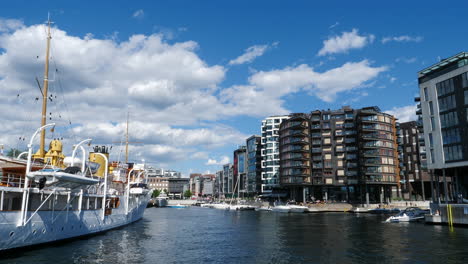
(181, 202)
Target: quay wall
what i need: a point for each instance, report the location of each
(439, 214)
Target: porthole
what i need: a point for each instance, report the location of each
(12, 234)
(34, 231)
(43, 230)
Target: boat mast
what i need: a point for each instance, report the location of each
(126, 140)
(41, 152)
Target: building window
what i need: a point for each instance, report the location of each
(449, 119)
(432, 155)
(426, 97)
(431, 108)
(325, 117)
(465, 79)
(432, 123)
(431, 140)
(447, 103)
(453, 153)
(451, 136)
(466, 96)
(445, 87)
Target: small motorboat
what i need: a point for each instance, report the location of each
(410, 214)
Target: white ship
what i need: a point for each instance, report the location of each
(47, 198)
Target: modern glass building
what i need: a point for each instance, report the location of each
(444, 111)
(254, 165)
(340, 155)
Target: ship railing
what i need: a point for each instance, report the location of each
(12, 180)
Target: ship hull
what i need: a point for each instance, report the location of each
(52, 226)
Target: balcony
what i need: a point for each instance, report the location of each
(316, 135)
(417, 99)
(316, 150)
(317, 166)
(349, 116)
(372, 153)
(339, 149)
(316, 142)
(351, 149)
(317, 158)
(351, 165)
(315, 127)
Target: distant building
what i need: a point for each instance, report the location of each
(201, 184)
(341, 155)
(254, 165)
(227, 179)
(415, 180)
(240, 170)
(176, 187)
(270, 152)
(158, 172)
(219, 184)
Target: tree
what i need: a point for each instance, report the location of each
(13, 152)
(155, 193)
(187, 194)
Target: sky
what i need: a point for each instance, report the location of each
(197, 77)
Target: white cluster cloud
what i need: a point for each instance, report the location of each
(345, 42)
(325, 85)
(223, 160)
(251, 53)
(404, 38)
(165, 85)
(404, 113)
(173, 96)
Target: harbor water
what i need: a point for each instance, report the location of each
(202, 235)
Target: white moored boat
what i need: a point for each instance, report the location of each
(297, 208)
(281, 208)
(42, 200)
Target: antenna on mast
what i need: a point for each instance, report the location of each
(127, 137)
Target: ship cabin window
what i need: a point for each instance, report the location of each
(113, 202)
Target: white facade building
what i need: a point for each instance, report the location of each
(270, 152)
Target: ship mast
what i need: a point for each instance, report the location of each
(41, 151)
(126, 141)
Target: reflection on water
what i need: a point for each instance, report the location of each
(200, 235)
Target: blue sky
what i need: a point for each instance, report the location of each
(296, 55)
